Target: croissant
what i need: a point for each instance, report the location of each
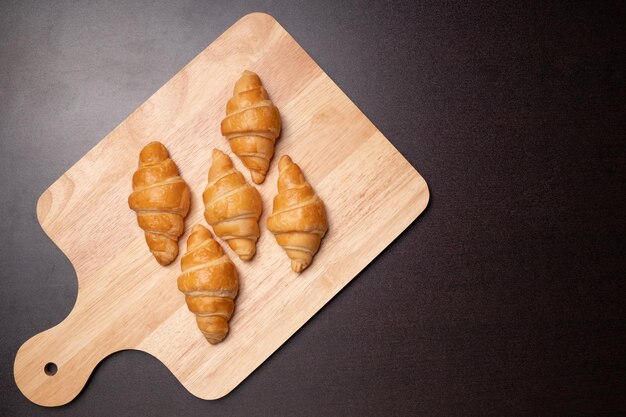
(161, 200)
(252, 125)
(232, 206)
(209, 282)
(298, 219)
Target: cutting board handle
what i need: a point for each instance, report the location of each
(52, 367)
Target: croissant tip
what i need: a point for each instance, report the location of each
(248, 73)
(197, 228)
(163, 259)
(258, 177)
(284, 162)
(246, 256)
(221, 163)
(298, 266)
(153, 152)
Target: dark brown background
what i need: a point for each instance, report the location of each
(506, 297)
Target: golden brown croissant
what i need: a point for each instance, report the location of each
(161, 200)
(298, 219)
(209, 282)
(232, 206)
(252, 125)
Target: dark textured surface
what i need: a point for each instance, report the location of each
(506, 297)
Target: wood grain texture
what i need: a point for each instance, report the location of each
(126, 300)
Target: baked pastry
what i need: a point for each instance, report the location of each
(232, 206)
(298, 219)
(252, 125)
(209, 282)
(161, 200)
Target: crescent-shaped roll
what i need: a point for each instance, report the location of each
(232, 206)
(298, 219)
(209, 282)
(161, 200)
(252, 125)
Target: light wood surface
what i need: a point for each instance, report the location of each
(126, 300)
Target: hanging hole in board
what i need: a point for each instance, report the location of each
(50, 368)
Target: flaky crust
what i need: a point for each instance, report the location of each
(209, 282)
(232, 206)
(252, 125)
(161, 200)
(298, 219)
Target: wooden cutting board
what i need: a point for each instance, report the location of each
(128, 301)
